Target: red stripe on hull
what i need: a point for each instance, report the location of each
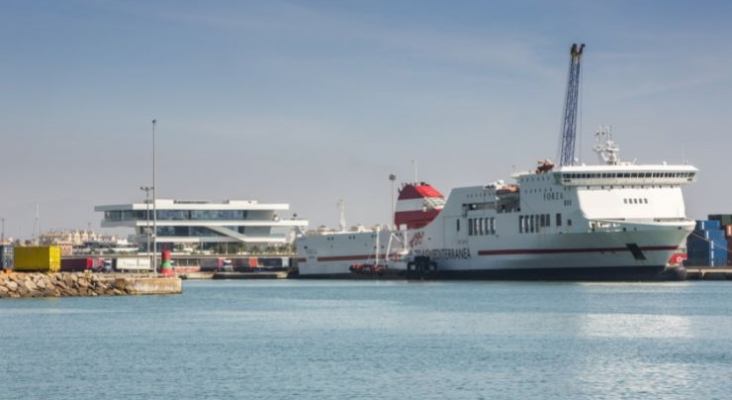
(355, 257)
(557, 251)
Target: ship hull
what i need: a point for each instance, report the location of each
(634, 252)
(577, 274)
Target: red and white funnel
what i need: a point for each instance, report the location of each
(418, 204)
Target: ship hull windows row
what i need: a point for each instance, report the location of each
(533, 223)
(481, 226)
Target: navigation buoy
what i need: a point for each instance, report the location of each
(166, 268)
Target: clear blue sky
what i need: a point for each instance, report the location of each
(309, 102)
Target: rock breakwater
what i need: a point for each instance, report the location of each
(19, 285)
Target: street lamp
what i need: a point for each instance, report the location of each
(147, 190)
(155, 204)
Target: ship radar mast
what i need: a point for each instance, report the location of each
(608, 151)
(569, 128)
(342, 215)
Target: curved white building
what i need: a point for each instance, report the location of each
(201, 223)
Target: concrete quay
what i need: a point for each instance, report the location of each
(708, 273)
(79, 284)
(250, 275)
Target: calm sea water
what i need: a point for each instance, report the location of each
(374, 340)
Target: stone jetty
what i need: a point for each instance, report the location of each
(76, 284)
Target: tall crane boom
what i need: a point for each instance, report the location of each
(569, 130)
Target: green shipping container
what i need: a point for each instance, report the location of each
(37, 258)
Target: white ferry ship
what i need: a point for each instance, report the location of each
(612, 221)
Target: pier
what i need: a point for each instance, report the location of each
(23, 285)
(708, 273)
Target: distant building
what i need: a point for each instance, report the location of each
(202, 225)
(67, 240)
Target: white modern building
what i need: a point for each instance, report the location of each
(201, 224)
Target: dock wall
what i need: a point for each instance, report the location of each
(23, 285)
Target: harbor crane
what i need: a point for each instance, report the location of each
(569, 129)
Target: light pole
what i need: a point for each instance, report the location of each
(155, 205)
(3, 234)
(147, 190)
(392, 178)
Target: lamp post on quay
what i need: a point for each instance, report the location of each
(147, 190)
(155, 205)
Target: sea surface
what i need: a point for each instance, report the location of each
(286, 339)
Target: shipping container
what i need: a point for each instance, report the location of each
(211, 264)
(704, 225)
(709, 234)
(271, 262)
(714, 257)
(724, 219)
(6, 257)
(240, 264)
(77, 264)
(37, 258)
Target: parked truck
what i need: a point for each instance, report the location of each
(128, 264)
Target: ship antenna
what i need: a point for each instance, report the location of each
(414, 165)
(342, 214)
(392, 178)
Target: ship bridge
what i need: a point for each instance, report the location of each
(630, 175)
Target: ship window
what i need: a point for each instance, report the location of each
(645, 201)
(625, 201)
(457, 225)
(531, 223)
(521, 224)
(470, 227)
(559, 219)
(569, 222)
(493, 226)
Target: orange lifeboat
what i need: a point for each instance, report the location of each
(544, 166)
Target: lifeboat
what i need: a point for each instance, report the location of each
(545, 165)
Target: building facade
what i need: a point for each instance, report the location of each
(203, 225)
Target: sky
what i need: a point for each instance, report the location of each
(312, 102)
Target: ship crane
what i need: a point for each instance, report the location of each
(569, 129)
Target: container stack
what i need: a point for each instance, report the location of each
(6, 257)
(707, 245)
(725, 220)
